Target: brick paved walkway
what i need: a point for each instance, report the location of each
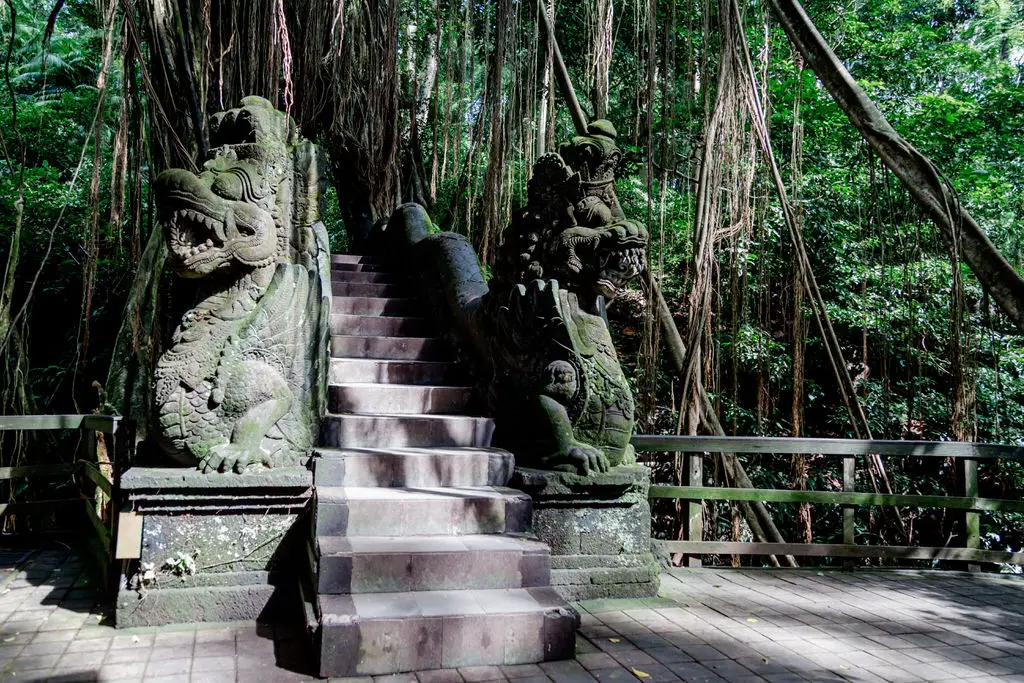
(708, 625)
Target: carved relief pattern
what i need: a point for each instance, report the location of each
(561, 398)
(237, 386)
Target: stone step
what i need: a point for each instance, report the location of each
(378, 326)
(398, 399)
(377, 371)
(377, 289)
(370, 305)
(355, 258)
(382, 633)
(366, 277)
(414, 467)
(360, 267)
(371, 511)
(403, 431)
(389, 348)
(428, 563)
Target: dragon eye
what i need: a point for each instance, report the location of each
(228, 185)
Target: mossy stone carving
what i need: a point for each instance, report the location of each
(558, 391)
(239, 385)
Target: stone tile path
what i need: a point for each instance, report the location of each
(708, 625)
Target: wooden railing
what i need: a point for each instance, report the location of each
(966, 455)
(98, 480)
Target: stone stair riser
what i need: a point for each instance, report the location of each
(374, 289)
(359, 267)
(413, 431)
(355, 258)
(389, 348)
(370, 277)
(432, 517)
(398, 399)
(379, 326)
(445, 468)
(374, 306)
(427, 571)
(377, 371)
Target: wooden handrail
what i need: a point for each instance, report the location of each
(763, 444)
(108, 424)
(967, 454)
(98, 505)
(836, 498)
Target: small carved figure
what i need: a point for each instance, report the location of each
(238, 385)
(559, 394)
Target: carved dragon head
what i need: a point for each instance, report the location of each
(573, 228)
(595, 156)
(600, 260)
(230, 215)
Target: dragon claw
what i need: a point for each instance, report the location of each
(579, 458)
(228, 457)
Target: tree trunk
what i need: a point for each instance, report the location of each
(546, 94)
(932, 191)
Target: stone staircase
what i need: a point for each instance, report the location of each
(420, 557)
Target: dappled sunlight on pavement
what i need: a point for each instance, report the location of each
(708, 625)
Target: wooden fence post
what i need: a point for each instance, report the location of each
(694, 508)
(972, 519)
(849, 511)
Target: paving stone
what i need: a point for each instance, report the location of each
(228, 676)
(204, 664)
(473, 674)
(439, 676)
(168, 667)
(179, 652)
(125, 655)
(89, 645)
(46, 647)
(596, 660)
(617, 674)
(133, 641)
(517, 671)
(169, 678)
(698, 673)
(93, 660)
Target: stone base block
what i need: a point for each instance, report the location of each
(210, 547)
(599, 530)
(200, 603)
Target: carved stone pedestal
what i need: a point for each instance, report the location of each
(599, 530)
(209, 547)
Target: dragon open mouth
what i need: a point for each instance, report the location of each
(192, 234)
(620, 265)
(205, 231)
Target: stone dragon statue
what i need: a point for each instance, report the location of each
(558, 391)
(239, 385)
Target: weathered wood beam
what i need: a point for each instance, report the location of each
(759, 444)
(892, 552)
(836, 498)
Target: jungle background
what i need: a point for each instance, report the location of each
(449, 104)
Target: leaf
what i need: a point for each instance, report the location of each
(615, 640)
(9, 639)
(751, 620)
(640, 674)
